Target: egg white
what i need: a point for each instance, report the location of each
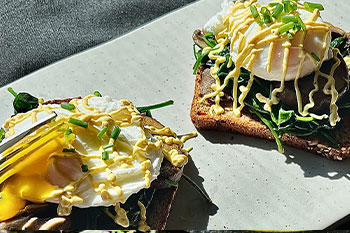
(312, 44)
(131, 180)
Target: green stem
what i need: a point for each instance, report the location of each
(12, 92)
(155, 106)
(273, 131)
(199, 189)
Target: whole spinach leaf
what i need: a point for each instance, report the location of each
(23, 102)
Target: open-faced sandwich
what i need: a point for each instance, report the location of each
(274, 71)
(100, 164)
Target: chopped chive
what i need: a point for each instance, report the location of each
(12, 91)
(312, 6)
(108, 146)
(97, 93)
(300, 22)
(84, 168)
(67, 106)
(289, 18)
(2, 134)
(272, 4)
(267, 19)
(277, 11)
(105, 155)
(254, 11)
(289, 35)
(144, 109)
(264, 11)
(286, 27)
(102, 132)
(260, 22)
(294, 6)
(171, 183)
(115, 132)
(68, 150)
(68, 132)
(314, 56)
(287, 6)
(77, 122)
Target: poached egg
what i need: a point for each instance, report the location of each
(66, 163)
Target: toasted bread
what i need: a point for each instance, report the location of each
(249, 125)
(44, 216)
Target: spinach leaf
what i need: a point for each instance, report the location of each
(23, 102)
(282, 118)
(2, 134)
(337, 42)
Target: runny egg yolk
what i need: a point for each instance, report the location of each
(10, 205)
(26, 180)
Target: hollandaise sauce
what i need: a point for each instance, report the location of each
(98, 152)
(250, 29)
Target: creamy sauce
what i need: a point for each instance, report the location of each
(246, 56)
(122, 155)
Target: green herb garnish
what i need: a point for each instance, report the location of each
(77, 122)
(288, 18)
(68, 132)
(68, 150)
(337, 42)
(67, 106)
(209, 39)
(300, 22)
(23, 102)
(97, 93)
(102, 132)
(115, 132)
(84, 168)
(2, 134)
(151, 107)
(277, 11)
(312, 6)
(314, 56)
(254, 11)
(105, 155)
(108, 146)
(286, 27)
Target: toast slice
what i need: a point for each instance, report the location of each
(249, 125)
(44, 216)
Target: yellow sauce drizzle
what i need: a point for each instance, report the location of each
(235, 25)
(122, 154)
(142, 226)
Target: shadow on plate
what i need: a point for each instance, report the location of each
(190, 210)
(311, 164)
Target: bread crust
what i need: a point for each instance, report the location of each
(247, 124)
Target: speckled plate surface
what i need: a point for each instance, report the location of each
(252, 185)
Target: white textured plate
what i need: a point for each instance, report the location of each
(252, 185)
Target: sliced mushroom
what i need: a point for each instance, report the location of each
(306, 85)
(197, 38)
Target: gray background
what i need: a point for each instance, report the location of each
(35, 33)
